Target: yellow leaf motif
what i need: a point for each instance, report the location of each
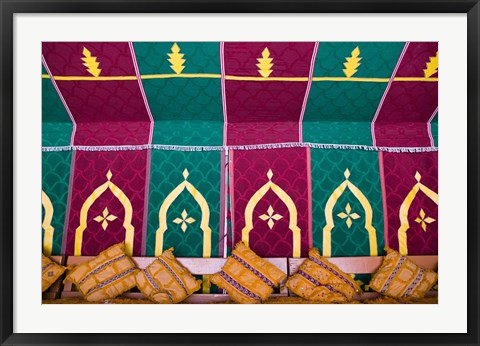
(176, 59)
(432, 66)
(265, 64)
(91, 63)
(353, 62)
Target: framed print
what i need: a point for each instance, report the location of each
(239, 173)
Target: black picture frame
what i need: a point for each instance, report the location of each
(10, 7)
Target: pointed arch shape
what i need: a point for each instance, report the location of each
(204, 223)
(286, 199)
(330, 224)
(47, 224)
(127, 221)
(404, 209)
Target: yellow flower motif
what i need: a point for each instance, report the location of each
(104, 218)
(424, 220)
(184, 221)
(349, 216)
(270, 216)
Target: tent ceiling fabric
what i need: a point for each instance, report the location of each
(198, 145)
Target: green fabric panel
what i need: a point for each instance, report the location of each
(200, 57)
(434, 127)
(193, 132)
(328, 169)
(166, 174)
(43, 70)
(186, 111)
(56, 124)
(378, 59)
(55, 180)
(340, 112)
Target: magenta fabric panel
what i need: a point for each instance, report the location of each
(408, 106)
(255, 102)
(262, 132)
(117, 197)
(415, 58)
(100, 108)
(253, 173)
(411, 180)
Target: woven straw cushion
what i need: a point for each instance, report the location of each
(51, 271)
(166, 280)
(107, 275)
(319, 280)
(246, 277)
(398, 277)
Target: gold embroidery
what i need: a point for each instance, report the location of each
(349, 216)
(270, 216)
(286, 199)
(353, 62)
(176, 59)
(404, 208)
(332, 200)
(424, 220)
(91, 63)
(127, 222)
(432, 66)
(47, 224)
(204, 223)
(104, 218)
(184, 220)
(265, 64)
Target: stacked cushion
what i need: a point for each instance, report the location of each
(319, 280)
(246, 277)
(399, 277)
(107, 275)
(166, 280)
(51, 271)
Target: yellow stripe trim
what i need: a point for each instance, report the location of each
(243, 78)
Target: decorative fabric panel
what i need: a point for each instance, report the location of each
(200, 145)
(184, 203)
(107, 202)
(271, 201)
(347, 203)
(55, 196)
(411, 186)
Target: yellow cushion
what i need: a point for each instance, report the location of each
(107, 275)
(246, 277)
(166, 280)
(51, 271)
(319, 280)
(398, 277)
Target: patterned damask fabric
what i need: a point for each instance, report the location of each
(151, 143)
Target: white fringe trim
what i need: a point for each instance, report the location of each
(240, 147)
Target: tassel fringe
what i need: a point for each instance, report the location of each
(240, 147)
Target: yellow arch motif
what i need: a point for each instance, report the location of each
(286, 199)
(127, 221)
(47, 224)
(404, 208)
(332, 200)
(204, 224)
